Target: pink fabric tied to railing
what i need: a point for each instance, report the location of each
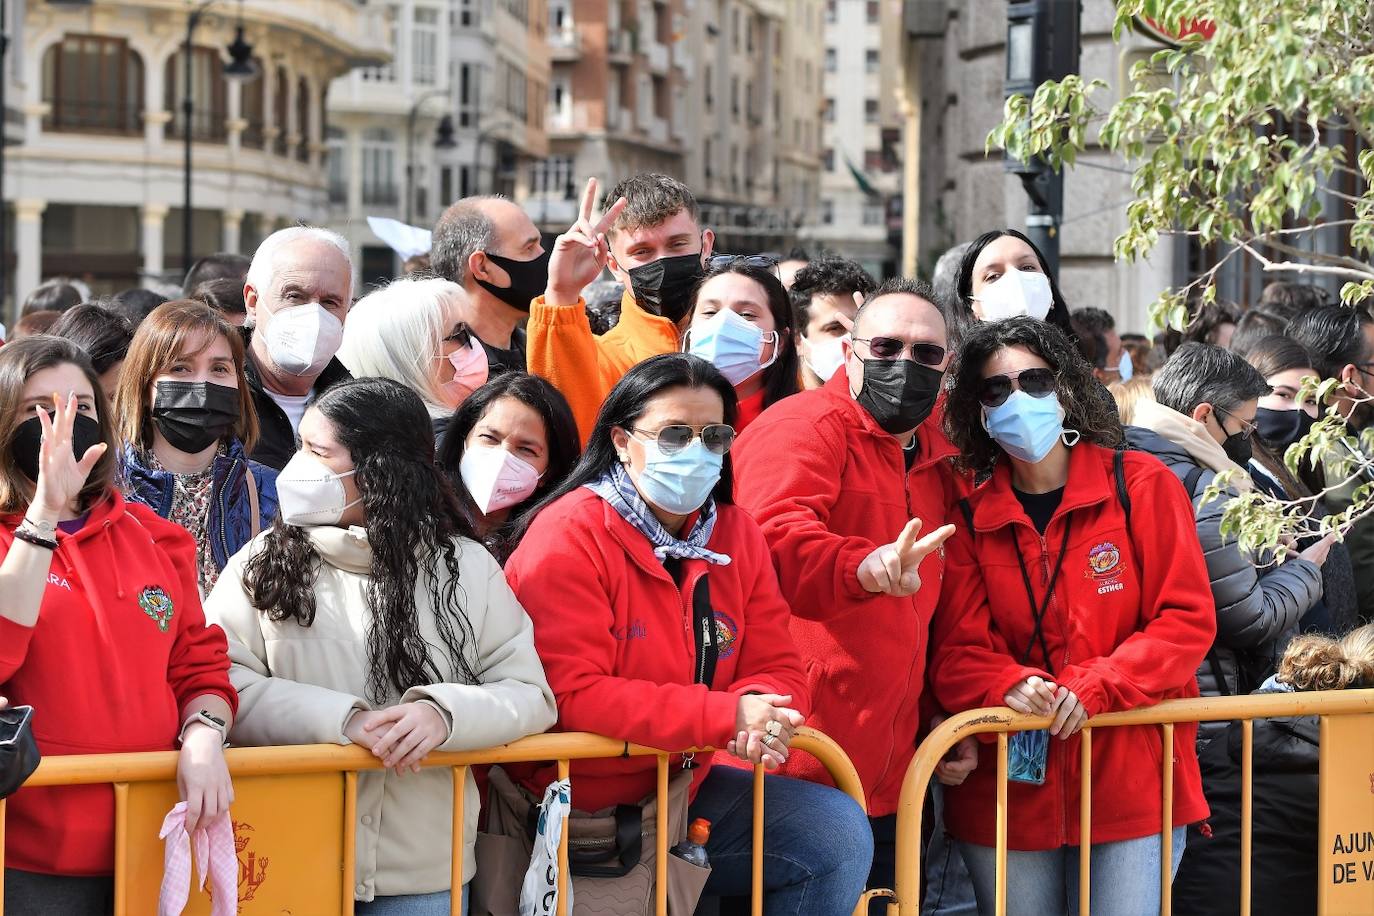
(215, 854)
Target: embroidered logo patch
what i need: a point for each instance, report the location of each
(158, 605)
(1104, 565)
(727, 634)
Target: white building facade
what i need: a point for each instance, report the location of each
(95, 183)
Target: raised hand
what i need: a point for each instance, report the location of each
(60, 474)
(580, 253)
(892, 568)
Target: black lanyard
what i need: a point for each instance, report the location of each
(1038, 616)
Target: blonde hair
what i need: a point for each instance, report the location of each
(397, 332)
(1315, 662)
(1130, 393)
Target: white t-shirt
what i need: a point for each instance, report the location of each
(293, 406)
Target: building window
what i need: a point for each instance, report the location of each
(873, 160)
(467, 95)
(303, 120)
(338, 165)
(209, 95)
(467, 13)
(280, 106)
(424, 46)
(735, 29)
(93, 84)
(871, 111)
(872, 10)
(827, 212)
(828, 159)
(830, 60)
(553, 177)
(709, 79)
(446, 185)
(253, 110)
(873, 214)
(734, 96)
(561, 108)
(830, 11)
(871, 60)
(385, 73)
(379, 167)
(828, 112)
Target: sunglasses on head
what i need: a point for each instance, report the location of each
(717, 437)
(759, 261)
(1038, 383)
(889, 348)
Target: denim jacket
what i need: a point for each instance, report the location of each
(231, 517)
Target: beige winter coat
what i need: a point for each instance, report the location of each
(299, 685)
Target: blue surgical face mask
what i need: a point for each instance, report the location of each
(1127, 368)
(1026, 427)
(731, 344)
(679, 483)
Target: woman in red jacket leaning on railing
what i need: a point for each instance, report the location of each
(101, 630)
(659, 621)
(1056, 603)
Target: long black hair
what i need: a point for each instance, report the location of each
(623, 408)
(964, 319)
(413, 519)
(1085, 408)
(560, 429)
(783, 377)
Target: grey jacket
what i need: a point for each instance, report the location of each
(1255, 604)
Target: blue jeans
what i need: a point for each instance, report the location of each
(817, 848)
(436, 904)
(1125, 877)
(949, 891)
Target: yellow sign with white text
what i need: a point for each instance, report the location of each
(1345, 874)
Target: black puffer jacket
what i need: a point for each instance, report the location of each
(1284, 824)
(1256, 604)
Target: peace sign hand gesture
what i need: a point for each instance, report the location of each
(580, 253)
(892, 568)
(60, 475)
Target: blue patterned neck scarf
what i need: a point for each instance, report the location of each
(616, 488)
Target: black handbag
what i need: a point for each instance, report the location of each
(18, 751)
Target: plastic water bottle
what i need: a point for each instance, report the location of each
(693, 849)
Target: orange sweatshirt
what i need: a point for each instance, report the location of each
(561, 347)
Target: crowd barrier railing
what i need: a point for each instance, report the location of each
(294, 816)
(1345, 870)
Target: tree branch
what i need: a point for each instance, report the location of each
(1269, 266)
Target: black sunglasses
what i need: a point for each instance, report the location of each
(717, 437)
(759, 261)
(1036, 382)
(461, 335)
(927, 354)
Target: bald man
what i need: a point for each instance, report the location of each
(491, 248)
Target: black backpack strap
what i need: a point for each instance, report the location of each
(1119, 471)
(1190, 482)
(967, 510)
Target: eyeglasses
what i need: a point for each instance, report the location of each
(717, 437)
(889, 348)
(461, 335)
(1247, 429)
(1037, 382)
(759, 261)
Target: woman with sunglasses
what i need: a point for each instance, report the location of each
(659, 620)
(514, 439)
(414, 331)
(742, 325)
(1002, 275)
(1056, 604)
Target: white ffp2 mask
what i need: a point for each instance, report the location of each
(302, 339)
(496, 479)
(1016, 292)
(309, 493)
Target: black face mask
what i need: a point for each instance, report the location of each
(664, 287)
(528, 279)
(28, 441)
(1281, 428)
(899, 393)
(1238, 448)
(192, 416)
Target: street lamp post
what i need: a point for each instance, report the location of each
(240, 67)
(443, 140)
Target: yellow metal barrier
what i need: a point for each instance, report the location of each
(295, 829)
(1347, 788)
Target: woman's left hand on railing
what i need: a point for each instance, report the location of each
(1069, 713)
(405, 734)
(754, 742)
(202, 776)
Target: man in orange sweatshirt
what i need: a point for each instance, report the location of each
(652, 240)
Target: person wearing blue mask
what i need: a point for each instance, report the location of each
(1117, 365)
(742, 325)
(1055, 604)
(640, 540)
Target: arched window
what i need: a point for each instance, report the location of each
(93, 84)
(282, 146)
(253, 108)
(209, 95)
(303, 120)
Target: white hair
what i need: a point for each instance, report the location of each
(264, 259)
(397, 332)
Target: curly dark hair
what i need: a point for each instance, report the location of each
(829, 276)
(1085, 408)
(413, 521)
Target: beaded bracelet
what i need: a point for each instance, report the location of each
(28, 537)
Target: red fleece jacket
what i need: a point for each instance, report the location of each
(1130, 620)
(828, 486)
(614, 632)
(120, 647)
